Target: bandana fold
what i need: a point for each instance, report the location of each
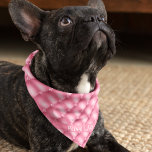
(74, 115)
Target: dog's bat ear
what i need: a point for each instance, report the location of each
(27, 17)
(98, 4)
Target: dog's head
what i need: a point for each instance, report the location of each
(74, 39)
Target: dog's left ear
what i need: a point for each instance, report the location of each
(98, 4)
(27, 17)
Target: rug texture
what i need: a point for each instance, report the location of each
(126, 102)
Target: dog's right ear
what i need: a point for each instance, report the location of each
(27, 17)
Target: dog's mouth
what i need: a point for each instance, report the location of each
(102, 39)
(96, 42)
(99, 38)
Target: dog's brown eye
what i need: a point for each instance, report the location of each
(66, 21)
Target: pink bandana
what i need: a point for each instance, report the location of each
(74, 115)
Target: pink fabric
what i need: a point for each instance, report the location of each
(74, 115)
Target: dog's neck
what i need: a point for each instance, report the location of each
(83, 83)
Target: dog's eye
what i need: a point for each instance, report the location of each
(65, 21)
(101, 19)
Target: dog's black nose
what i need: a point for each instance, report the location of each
(94, 19)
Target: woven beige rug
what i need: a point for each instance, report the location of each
(126, 102)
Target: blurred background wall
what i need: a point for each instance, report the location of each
(131, 20)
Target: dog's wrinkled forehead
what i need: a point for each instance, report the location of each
(78, 11)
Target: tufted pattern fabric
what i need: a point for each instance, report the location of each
(74, 115)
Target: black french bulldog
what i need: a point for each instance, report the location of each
(74, 43)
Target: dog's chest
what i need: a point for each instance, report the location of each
(84, 86)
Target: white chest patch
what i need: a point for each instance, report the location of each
(84, 85)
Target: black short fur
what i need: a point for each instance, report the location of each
(66, 52)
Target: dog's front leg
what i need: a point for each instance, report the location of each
(106, 143)
(102, 140)
(43, 137)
